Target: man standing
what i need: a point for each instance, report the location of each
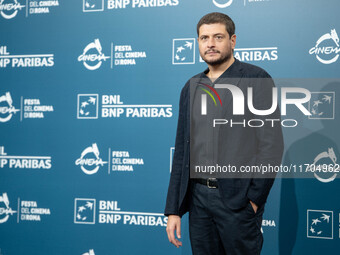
(225, 213)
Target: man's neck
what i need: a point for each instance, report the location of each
(217, 71)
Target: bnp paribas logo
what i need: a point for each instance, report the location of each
(93, 5)
(320, 224)
(183, 51)
(206, 88)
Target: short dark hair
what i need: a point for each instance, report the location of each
(217, 17)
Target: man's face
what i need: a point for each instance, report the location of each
(215, 45)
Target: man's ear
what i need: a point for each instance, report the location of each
(233, 41)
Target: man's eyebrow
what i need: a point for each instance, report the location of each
(212, 35)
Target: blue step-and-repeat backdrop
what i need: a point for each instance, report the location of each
(89, 94)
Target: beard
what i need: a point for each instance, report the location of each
(222, 59)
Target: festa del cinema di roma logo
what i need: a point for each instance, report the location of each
(5, 211)
(222, 4)
(323, 48)
(6, 107)
(30, 108)
(120, 55)
(93, 56)
(90, 252)
(328, 156)
(26, 210)
(10, 10)
(90, 161)
(89, 158)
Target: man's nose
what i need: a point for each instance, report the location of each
(211, 42)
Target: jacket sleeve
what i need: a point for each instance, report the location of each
(172, 201)
(269, 140)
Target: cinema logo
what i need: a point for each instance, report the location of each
(32, 108)
(90, 252)
(227, 3)
(90, 162)
(15, 61)
(222, 4)
(326, 49)
(92, 56)
(120, 55)
(7, 110)
(5, 210)
(112, 106)
(11, 9)
(27, 210)
(239, 103)
(24, 162)
(98, 5)
(110, 213)
(324, 166)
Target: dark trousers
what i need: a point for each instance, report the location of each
(215, 229)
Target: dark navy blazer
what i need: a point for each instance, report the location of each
(240, 146)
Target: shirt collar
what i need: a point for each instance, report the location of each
(229, 73)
